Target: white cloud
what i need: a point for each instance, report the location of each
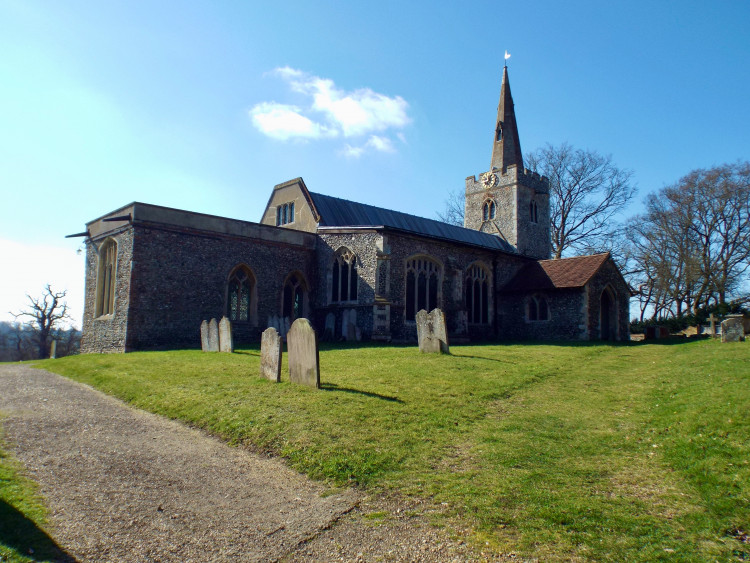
(332, 112)
(375, 142)
(285, 122)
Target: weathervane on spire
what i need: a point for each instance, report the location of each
(507, 56)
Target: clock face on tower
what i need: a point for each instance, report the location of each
(489, 179)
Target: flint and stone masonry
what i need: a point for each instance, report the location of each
(356, 271)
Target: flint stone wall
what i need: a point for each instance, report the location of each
(169, 280)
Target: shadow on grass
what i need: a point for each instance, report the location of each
(21, 534)
(334, 387)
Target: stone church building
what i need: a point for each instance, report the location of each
(356, 271)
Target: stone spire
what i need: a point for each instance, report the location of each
(506, 149)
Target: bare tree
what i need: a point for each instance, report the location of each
(453, 213)
(44, 314)
(692, 245)
(587, 191)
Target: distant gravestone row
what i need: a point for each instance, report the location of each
(350, 330)
(217, 336)
(302, 347)
(431, 332)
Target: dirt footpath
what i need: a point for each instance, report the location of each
(125, 485)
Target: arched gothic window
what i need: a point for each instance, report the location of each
(241, 297)
(285, 214)
(344, 276)
(533, 212)
(489, 210)
(294, 296)
(423, 277)
(105, 281)
(476, 294)
(537, 308)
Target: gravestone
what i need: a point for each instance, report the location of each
(349, 325)
(204, 335)
(302, 347)
(713, 320)
(733, 329)
(656, 332)
(225, 336)
(431, 332)
(330, 330)
(270, 355)
(213, 336)
(53, 350)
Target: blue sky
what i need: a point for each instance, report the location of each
(206, 105)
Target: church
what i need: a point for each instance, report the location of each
(354, 270)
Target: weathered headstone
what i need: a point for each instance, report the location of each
(213, 336)
(302, 346)
(226, 344)
(270, 355)
(330, 329)
(431, 332)
(204, 335)
(53, 350)
(733, 329)
(349, 325)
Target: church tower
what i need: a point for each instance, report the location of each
(508, 200)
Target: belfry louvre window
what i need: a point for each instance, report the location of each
(537, 309)
(476, 293)
(533, 212)
(285, 214)
(423, 277)
(344, 276)
(105, 283)
(240, 299)
(293, 297)
(489, 210)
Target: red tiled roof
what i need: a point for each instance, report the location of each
(557, 274)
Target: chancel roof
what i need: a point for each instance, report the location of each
(557, 274)
(336, 212)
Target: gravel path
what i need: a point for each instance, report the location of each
(125, 485)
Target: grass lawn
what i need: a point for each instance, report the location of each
(22, 516)
(634, 452)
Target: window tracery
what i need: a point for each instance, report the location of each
(344, 280)
(105, 283)
(293, 297)
(241, 301)
(423, 278)
(537, 309)
(476, 294)
(533, 212)
(489, 210)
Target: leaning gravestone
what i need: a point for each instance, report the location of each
(733, 330)
(431, 333)
(53, 350)
(270, 355)
(225, 336)
(302, 346)
(204, 336)
(213, 336)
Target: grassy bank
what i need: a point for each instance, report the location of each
(590, 452)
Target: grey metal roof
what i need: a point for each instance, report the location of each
(335, 212)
